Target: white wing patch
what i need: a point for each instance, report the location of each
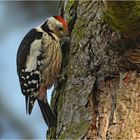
(31, 63)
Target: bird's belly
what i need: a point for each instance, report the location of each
(50, 74)
(52, 69)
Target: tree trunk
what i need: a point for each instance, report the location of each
(99, 97)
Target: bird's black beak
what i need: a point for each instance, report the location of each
(66, 39)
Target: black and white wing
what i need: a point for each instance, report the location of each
(28, 63)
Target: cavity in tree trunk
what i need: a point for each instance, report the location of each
(100, 95)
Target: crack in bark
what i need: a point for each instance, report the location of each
(92, 85)
(73, 13)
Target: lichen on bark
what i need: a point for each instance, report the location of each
(100, 93)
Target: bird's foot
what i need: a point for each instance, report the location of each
(61, 77)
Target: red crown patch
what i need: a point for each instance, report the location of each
(62, 20)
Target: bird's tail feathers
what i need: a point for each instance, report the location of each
(47, 113)
(29, 101)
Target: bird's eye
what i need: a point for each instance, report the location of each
(60, 28)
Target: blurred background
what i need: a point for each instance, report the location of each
(16, 19)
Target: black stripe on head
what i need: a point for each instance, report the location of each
(46, 29)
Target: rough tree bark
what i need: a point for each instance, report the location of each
(100, 95)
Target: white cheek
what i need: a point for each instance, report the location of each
(31, 63)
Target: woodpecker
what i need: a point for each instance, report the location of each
(39, 60)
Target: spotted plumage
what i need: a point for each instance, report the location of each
(38, 63)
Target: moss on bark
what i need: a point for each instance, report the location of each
(99, 96)
(123, 16)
